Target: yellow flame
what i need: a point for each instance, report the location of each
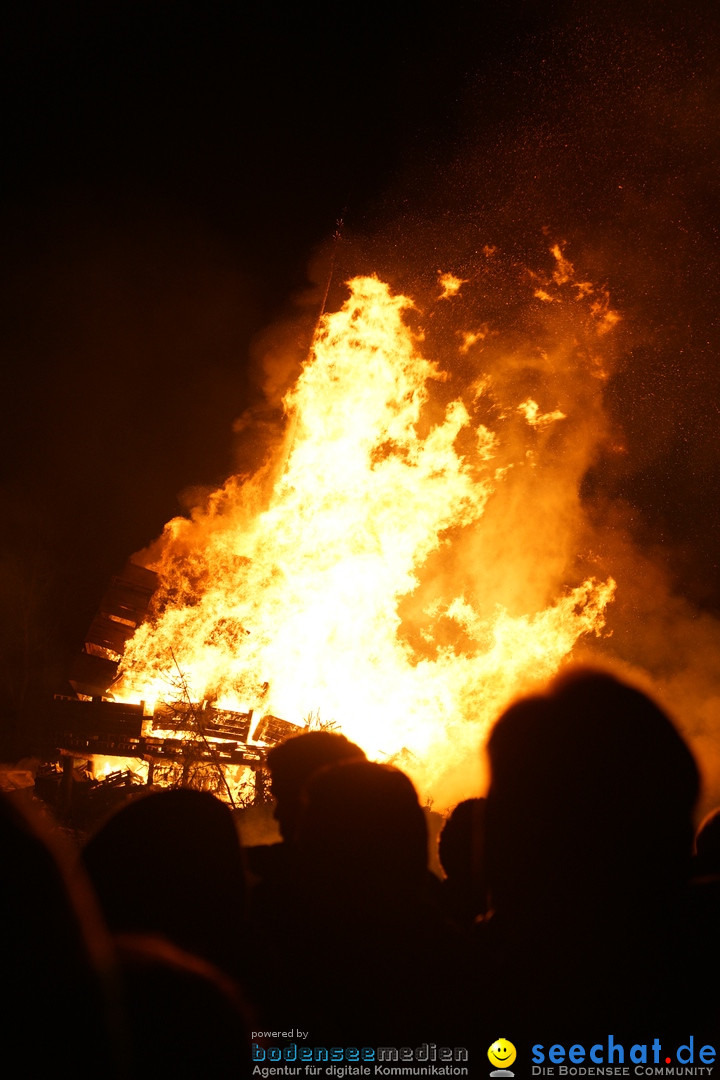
(531, 411)
(450, 285)
(471, 337)
(365, 575)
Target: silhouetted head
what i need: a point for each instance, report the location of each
(293, 762)
(460, 838)
(170, 863)
(362, 837)
(591, 793)
(461, 852)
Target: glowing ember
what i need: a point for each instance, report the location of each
(402, 569)
(450, 285)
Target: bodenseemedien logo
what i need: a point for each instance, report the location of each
(502, 1054)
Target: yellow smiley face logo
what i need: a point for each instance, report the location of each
(502, 1053)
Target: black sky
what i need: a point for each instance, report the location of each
(170, 169)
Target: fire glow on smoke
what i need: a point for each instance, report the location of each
(409, 561)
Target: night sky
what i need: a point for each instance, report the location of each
(173, 176)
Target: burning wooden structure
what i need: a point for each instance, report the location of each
(184, 733)
(413, 554)
(122, 609)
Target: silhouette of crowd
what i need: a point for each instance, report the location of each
(574, 905)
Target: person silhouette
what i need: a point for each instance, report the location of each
(372, 959)
(170, 863)
(588, 837)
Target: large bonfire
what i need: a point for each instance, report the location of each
(410, 559)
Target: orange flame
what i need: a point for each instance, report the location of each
(402, 569)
